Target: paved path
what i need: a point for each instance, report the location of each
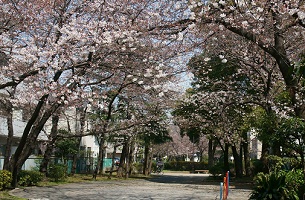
(169, 186)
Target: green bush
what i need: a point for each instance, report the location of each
(217, 169)
(295, 179)
(29, 177)
(274, 163)
(257, 166)
(292, 163)
(137, 168)
(273, 186)
(5, 179)
(57, 172)
(185, 165)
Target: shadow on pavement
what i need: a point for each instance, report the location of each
(177, 179)
(197, 180)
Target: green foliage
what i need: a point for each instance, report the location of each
(273, 186)
(296, 179)
(184, 165)
(257, 166)
(292, 131)
(264, 124)
(214, 70)
(155, 133)
(57, 172)
(283, 98)
(217, 169)
(37, 161)
(275, 163)
(5, 179)
(138, 167)
(66, 147)
(29, 178)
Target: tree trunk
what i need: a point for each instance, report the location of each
(211, 154)
(247, 159)
(149, 162)
(32, 130)
(48, 153)
(241, 158)
(146, 160)
(130, 157)
(226, 158)
(28, 140)
(276, 149)
(127, 160)
(113, 157)
(9, 140)
(123, 160)
(237, 162)
(81, 112)
(100, 159)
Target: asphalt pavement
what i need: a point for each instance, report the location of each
(169, 186)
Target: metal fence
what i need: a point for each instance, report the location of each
(83, 164)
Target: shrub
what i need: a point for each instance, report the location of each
(57, 172)
(29, 178)
(274, 163)
(184, 165)
(272, 186)
(257, 166)
(295, 179)
(5, 179)
(137, 168)
(217, 169)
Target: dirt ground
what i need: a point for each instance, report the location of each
(169, 186)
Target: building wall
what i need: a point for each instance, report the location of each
(90, 143)
(18, 127)
(255, 146)
(18, 124)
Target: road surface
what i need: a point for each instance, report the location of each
(169, 186)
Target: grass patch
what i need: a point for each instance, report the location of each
(76, 178)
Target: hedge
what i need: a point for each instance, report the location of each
(185, 165)
(29, 177)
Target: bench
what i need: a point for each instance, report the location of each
(202, 171)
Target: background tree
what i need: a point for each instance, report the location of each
(66, 148)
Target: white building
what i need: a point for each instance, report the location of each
(18, 126)
(69, 121)
(255, 146)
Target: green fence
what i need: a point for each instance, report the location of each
(83, 164)
(87, 165)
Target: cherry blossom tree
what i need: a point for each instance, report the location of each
(222, 88)
(54, 52)
(264, 36)
(272, 27)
